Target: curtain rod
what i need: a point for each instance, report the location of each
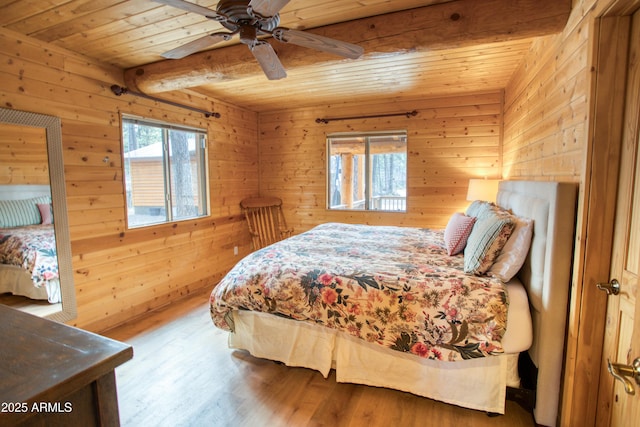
(120, 90)
(407, 115)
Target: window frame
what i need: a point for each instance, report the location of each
(202, 162)
(368, 176)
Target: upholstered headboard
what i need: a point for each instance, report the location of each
(546, 275)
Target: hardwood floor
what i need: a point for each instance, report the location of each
(37, 308)
(183, 374)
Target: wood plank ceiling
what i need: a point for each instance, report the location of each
(412, 47)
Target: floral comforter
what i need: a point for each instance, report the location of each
(393, 286)
(33, 248)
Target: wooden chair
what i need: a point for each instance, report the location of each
(265, 220)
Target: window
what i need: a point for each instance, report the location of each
(165, 172)
(367, 171)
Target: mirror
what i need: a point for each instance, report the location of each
(52, 128)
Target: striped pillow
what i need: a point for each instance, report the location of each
(488, 237)
(18, 213)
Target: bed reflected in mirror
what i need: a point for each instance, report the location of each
(35, 251)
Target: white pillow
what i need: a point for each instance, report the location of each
(514, 252)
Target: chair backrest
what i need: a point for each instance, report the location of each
(265, 220)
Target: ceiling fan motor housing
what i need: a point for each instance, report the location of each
(248, 35)
(239, 15)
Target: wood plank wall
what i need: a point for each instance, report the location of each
(546, 107)
(122, 273)
(546, 137)
(451, 140)
(23, 151)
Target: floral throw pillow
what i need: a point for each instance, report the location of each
(514, 252)
(488, 237)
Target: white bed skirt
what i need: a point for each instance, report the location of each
(476, 384)
(17, 281)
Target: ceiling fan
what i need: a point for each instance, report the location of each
(251, 19)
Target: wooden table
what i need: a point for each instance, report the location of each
(53, 374)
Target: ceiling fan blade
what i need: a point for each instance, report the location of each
(190, 7)
(267, 7)
(196, 45)
(268, 60)
(314, 41)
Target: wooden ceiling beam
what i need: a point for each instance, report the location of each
(447, 25)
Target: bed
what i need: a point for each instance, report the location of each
(427, 339)
(28, 255)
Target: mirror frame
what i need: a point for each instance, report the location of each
(53, 128)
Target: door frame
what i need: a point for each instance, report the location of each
(607, 64)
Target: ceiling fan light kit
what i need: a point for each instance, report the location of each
(253, 19)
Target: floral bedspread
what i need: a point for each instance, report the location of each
(394, 286)
(33, 248)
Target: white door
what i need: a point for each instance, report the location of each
(619, 393)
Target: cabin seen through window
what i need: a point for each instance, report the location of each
(165, 172)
